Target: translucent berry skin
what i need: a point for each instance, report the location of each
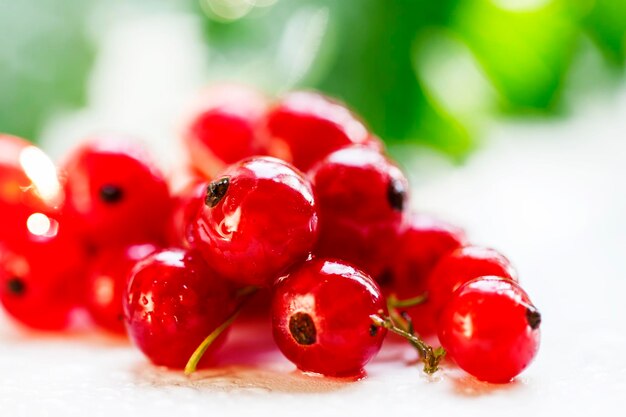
(321, 317)
(361, 197)
(491, 329)
(41, 280)
(186, 206)
(308, 126)
(225, 128)
(460, 266)
(106, 282)
(262, 221)
(29, 185)
(423, 243)
(115, 193)
(173, 301)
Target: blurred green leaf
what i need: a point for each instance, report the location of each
(525, 53)
(44, 61)
(606, 22)
(366, 52)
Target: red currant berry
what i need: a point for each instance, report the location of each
(258, 219)
(309, 126)
(460, 266)
(321, 317)
(115, 193)
(172, 303)
(29, 189)
(361, 197)
(491, 329)
(41, 280)
(187, 205)
(106, 283)
(424, 241)
(224, 128)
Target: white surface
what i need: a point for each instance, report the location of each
(551, 196)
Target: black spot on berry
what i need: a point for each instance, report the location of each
(396, 194)
(216, 191)
(111, 194)
(16, 286)
(373, 330)
(533, 317)
(302, 329)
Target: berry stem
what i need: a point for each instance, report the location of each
(394, 302)
(431, 357)
(192, 364)
(402, 319)
(246, 291)
(243, 295)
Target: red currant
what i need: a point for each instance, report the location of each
(106, 282)
(460, 266)
(30, 191)
(258, 219)
(321, 317)
(187, 205)
(424, 241)
(491, 329)
(41, 280)
(309, 126)
(115, 193)
(172, 303)
(224, 128)
(361, 197)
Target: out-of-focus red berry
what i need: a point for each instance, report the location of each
(305, 126)
(115, 194)
(225, 128)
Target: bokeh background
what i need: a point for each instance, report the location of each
(418, 71)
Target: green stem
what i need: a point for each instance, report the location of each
(243, 294)
(431, 357)
(246, 291)
(192, 364)
(394, 302)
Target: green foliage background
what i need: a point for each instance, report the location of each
(366, 52)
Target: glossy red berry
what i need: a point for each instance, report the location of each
(115, 193)
(460, 266)
(422, 244)
(225, 128)
(106, 282)
(491, 329)
(361, 197)
(30, 191)
(41, 280)
(321, 317)
(258, 219)
(308, 126)
(172, 303)
(186, 206)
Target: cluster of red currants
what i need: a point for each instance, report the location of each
(294, 196)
